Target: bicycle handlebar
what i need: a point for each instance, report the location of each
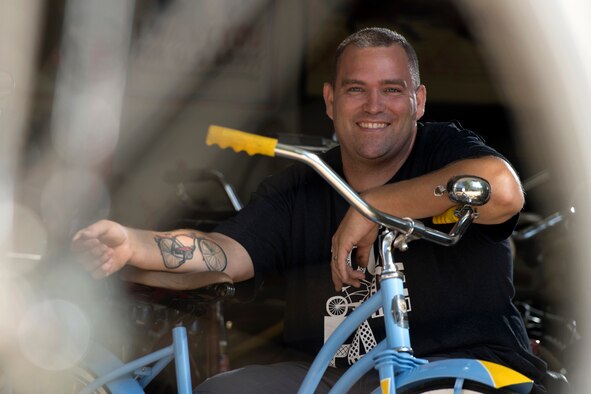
(254, 144)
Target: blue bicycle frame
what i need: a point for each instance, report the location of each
(134, 376)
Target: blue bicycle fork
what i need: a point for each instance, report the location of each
(398, 353)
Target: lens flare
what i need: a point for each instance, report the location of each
(54, 334)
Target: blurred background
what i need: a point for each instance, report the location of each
(103, 102)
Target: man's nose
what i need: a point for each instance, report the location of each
(374, 102)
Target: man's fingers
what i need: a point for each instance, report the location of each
(103, 271)
(342, 269)
(338, 283)
(90, 262)
(353, 277)
(96, 247)
(87, 233)
(356, 275)
(339, 273)
(92, 253)
(81, 244)
(362, 256)
(343, 273)
(104, 230)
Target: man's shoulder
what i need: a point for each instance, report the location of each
(332, 157)
(299, 174)
(452, 126)
(433, 131)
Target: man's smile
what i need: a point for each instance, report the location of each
(372, 125)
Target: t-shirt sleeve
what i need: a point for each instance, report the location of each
(451, 142)
(262, 227)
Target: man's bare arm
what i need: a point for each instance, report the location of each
(106, 247)
(415, 197)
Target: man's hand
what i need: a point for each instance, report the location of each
(354, 231)
(103, 247)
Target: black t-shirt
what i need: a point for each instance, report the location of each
(459, 296)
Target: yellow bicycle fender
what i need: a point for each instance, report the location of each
(240, 141)
(503, 376)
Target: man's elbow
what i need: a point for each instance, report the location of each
(507, 200)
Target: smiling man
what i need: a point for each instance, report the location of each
(295, 225)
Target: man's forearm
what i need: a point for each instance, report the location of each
(415, 198)
(179, 250)
(189, 251)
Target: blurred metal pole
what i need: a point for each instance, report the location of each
(91, 79)
(19, 22)
(541, 54)
(19, 25)
(87, 109)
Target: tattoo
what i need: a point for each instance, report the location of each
(177, 250)
(213, 255)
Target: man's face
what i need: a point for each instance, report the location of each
(373, 104)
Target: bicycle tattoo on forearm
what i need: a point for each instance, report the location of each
(176, 250)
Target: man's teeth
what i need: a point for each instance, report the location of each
(372, 125)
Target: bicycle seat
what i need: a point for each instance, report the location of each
(176, 289)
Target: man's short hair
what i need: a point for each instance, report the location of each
(372, 37)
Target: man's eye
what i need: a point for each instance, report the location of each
(393, 90)
(354, 89)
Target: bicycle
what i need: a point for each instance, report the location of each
(553, 333)
(399, 370)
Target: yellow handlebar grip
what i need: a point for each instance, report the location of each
(446, 217)
(240, 141)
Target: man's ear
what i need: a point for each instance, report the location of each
(421, 99)
(328, 94)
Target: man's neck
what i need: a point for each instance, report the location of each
(366, 175)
